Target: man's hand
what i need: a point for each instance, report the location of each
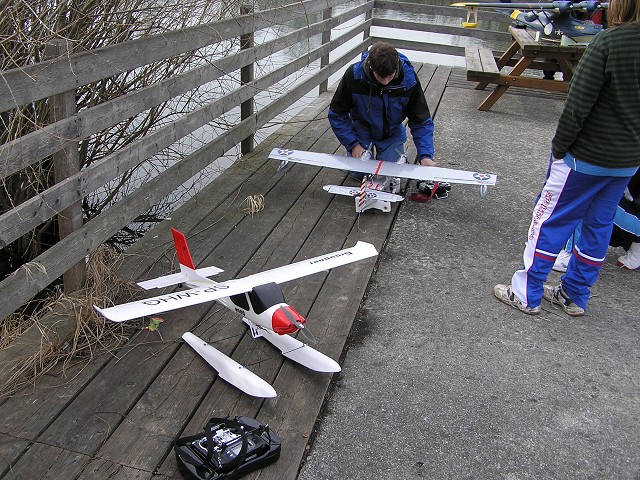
(357, 151)
(427, 162)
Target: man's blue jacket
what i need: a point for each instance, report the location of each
(363, 111)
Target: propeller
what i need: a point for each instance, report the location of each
(286, 314)
(306, 333)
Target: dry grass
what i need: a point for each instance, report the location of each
(91, 335)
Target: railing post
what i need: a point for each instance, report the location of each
(368, 16)
(326, 38)
(246, 76)
(66, 162)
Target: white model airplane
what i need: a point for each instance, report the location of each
(374, 191)
(257, 298)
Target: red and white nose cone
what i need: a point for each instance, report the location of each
(285, 319)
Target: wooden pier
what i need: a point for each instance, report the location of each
(118, 415)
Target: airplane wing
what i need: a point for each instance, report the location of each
(355, 191)
(390, 169)
(559, 6)
(170, 301)
(359, 251)
(215, 291)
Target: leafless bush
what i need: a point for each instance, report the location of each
(91, 333)
(27, 26)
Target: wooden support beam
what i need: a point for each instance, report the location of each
(67, 163)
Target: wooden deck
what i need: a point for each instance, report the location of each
(117, 416)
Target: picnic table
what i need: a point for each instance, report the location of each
(525, 52)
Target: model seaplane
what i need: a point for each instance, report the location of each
(563, 21)
(257, 298)
(375, 191)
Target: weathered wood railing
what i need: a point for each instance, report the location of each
(63, 74)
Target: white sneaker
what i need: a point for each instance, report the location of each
(557, 296)
(562, 261)
(631, 260)
(505, 295)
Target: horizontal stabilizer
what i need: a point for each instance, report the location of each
(299, 352)
(355, 191)
(390, 169)
(229, 369)
(178, 278)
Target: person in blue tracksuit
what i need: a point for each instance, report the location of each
(586, 178)
(373, 99)
(626, 230)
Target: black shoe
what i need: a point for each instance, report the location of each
(426, 187)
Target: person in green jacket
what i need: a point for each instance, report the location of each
(595, 152)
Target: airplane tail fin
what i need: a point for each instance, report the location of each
(188, 275)
(182, 249)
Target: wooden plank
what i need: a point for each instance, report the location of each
(458, 80)
(101, 469)
(154, 255)
(101, 406)
(27, 282)
(46, 461)
(436, 87)
(482, 66)
(472, 59)
(533, 83)
(330, 237)
(142, 393)
(483, 77)
(301, 384)
(145, 436)
(24, 284)
(27, 413)
(11, 448)
(160, 427)
(290, 231)
(488, 60)
(263, 359)
(531, 47)
(301, 395)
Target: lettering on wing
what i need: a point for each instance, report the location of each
(174, 297)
